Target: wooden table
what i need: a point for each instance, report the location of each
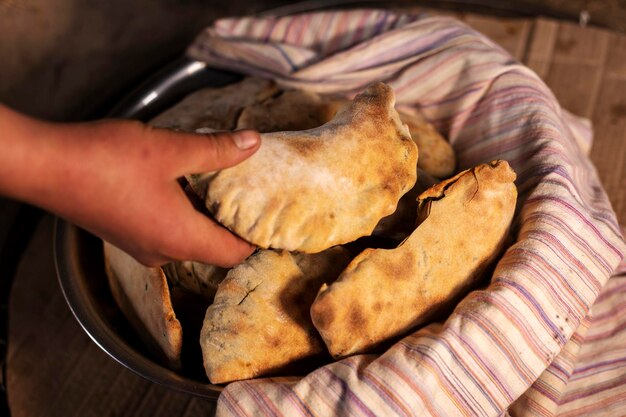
(54, 369)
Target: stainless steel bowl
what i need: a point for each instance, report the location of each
(78, 254)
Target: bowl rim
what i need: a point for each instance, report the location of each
(167, 86)
(66, 239)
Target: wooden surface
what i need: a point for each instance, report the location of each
(56, 370)
(72, 60)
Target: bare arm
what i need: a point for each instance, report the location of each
(118, 179)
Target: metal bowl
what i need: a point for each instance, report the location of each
(78, 254)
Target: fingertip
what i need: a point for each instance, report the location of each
(218, 246)
(240, 255)
(246, 139)
(233, 255)
(217, 150)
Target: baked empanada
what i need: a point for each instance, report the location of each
(299, 110)
(291, 110)
(199, 278)
(401, 223)
(215, 108)
(144, 297)
(310, 190)
(437, 157)
(259, 323)
(384, 293)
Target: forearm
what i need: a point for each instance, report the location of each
(27, 152)
(49, 164)
(45, 164)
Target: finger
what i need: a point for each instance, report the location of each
(211, 152)
(213, 244)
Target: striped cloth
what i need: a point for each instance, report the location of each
(533, 342)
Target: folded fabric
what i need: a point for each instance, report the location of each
(514, 346)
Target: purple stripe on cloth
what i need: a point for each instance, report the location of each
(462, 393)
(348, 399)
(386, 394)
(600, 366)
(619, 252)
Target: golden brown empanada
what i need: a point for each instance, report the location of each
(199, 278)
(437, 157)
(215, 108)
(310, 190)
(291, 110)
(259, 322)
(144, 297)
(384, 293)
(401, 223)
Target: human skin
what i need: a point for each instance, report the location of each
(119, 180)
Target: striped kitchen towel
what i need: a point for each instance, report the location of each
(533, 342)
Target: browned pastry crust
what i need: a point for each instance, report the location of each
(437, 157)
(199, 278)
(259, 323)
(291, 110)
(384, 293)
(215, 108)
(313, 189)
(144, 297)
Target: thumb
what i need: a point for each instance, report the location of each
(215, 151)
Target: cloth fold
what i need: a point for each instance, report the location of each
(522, 345)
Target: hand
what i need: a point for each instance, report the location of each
(118, 180)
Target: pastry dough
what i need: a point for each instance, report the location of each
(383, 294)
(313, 189)
(259, 323)
(299, 110)
(199, 278)
(144, 297)
(215, 108)
(292, 110)
(437, 157)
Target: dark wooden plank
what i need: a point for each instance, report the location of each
(609, 150)
(577, 67)
(540, 49)
(511, 34)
